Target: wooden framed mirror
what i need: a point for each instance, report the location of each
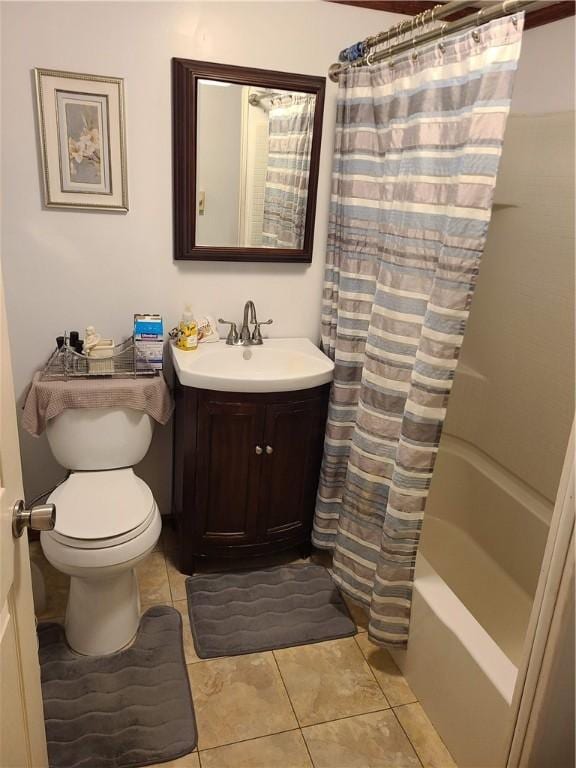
(246, 152)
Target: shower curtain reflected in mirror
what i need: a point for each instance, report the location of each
(286, 194)
(416, 157)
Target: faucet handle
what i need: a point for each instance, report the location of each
(256, 335)
(232, 337)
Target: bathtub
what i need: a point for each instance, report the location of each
(476, 573)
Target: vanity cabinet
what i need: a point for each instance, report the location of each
(246, 470)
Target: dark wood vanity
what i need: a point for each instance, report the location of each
(246, 470)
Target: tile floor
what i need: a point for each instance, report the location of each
(337, 704)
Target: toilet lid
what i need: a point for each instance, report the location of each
(94, 506)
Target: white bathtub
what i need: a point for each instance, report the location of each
(482, 544)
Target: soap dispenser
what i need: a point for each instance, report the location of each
(187, 331)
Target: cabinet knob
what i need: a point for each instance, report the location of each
(259, 450)
(269, 449)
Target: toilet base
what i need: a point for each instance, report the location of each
(102, 614)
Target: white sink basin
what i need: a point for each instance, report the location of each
(279, 365)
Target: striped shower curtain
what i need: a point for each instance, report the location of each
(291, 120)
(416, 156)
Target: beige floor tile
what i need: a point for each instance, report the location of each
(189, 650)
(366, 741)
(188, 761)
(424, 738)
(282, 750)
(391, 681)
(359, 613)
(329, 680)
(56, 584)
(153, 580)
(238, 698)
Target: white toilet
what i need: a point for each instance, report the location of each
(106, 522)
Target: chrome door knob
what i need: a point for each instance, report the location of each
(269, 449)
(259, 450)
(39, 518)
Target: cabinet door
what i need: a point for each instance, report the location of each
(228, 470)
(294, 434)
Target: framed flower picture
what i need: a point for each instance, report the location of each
(82, 140)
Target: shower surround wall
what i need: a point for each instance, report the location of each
(513, 396)
(68, 269)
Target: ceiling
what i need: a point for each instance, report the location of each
(553, 12)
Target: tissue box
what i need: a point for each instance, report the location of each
(149, 339)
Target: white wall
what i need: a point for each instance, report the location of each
(65, 269)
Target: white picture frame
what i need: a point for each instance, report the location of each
(81, 121)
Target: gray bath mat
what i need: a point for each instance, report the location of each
(250, 611)
(128, 709)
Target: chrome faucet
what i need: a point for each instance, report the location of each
(245, 335)
(245, 338)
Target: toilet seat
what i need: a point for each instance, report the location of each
(111, 541)
(97, 510)
(106, 556)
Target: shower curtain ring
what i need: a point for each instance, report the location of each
(441, 44)
(508, 7)
(414, 54)
(427, 19)
(423, 22)
(388, 47)
(475, 33)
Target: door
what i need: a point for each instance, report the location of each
(22, 738)
(293, 439)
(228, 470)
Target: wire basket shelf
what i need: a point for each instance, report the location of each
(125, 361)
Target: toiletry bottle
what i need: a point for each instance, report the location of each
(187, 331)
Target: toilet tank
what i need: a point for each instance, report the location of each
(99, 438)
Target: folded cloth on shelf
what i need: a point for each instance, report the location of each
(47, 399)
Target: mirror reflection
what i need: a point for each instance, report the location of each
(253, 165)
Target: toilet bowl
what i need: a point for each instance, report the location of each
(106, 523)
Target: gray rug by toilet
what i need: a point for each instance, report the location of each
(128, 709)
(249, 611)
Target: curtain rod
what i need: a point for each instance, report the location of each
(359, 50)
(483, 15)
(257, 99)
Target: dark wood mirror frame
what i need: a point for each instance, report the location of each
(185, 76)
